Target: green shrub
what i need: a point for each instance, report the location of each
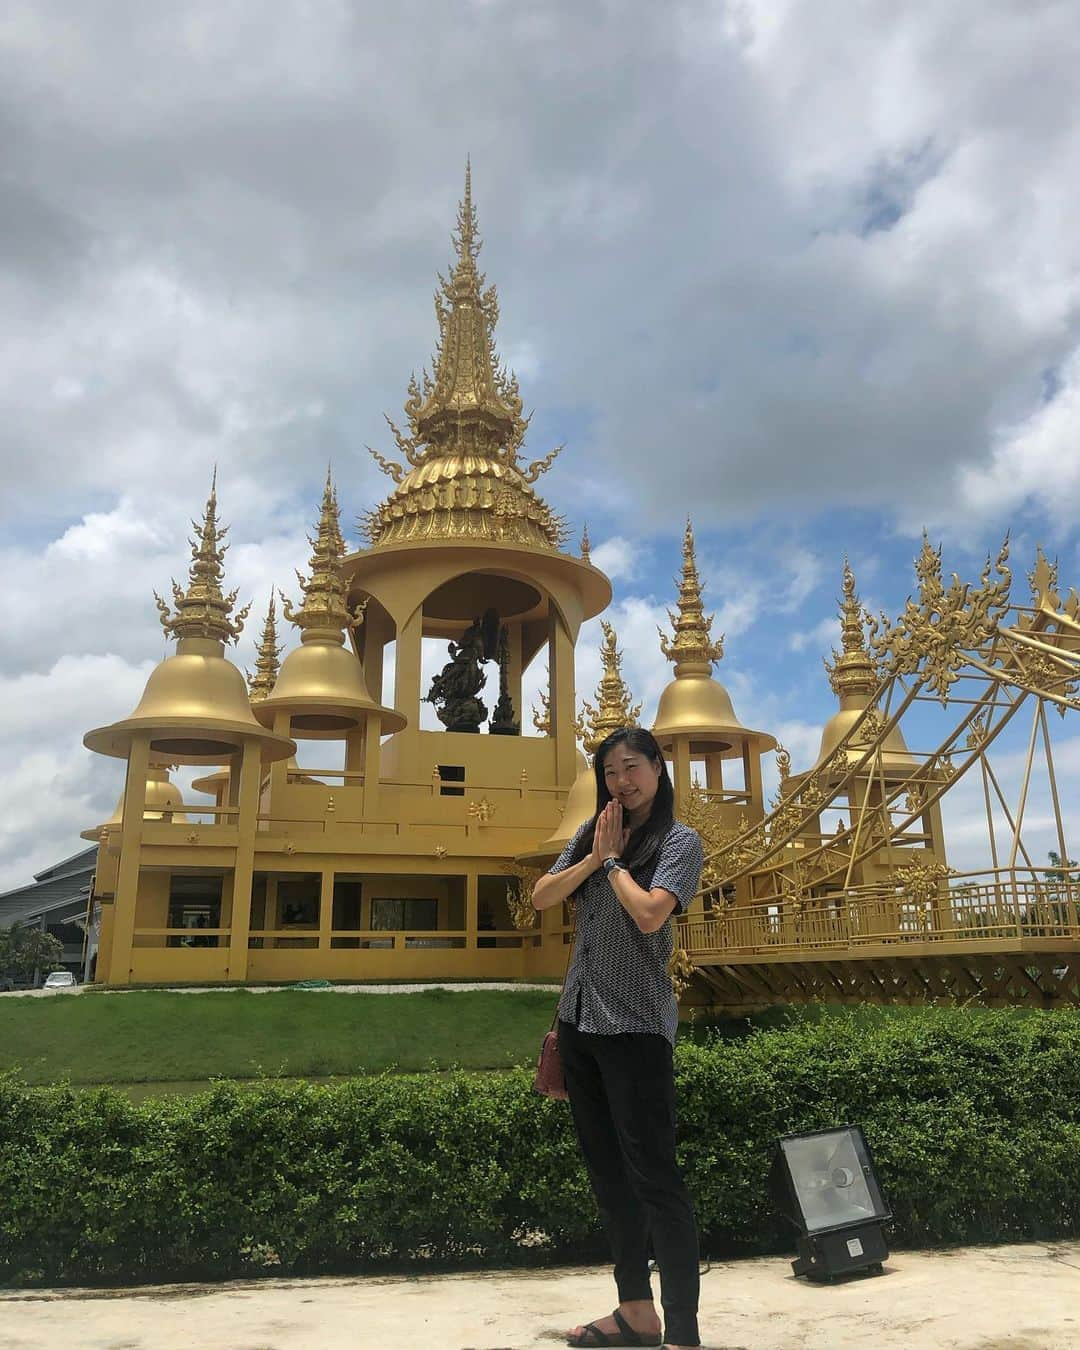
(974, 1119)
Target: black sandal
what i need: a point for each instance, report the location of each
(591, 1335)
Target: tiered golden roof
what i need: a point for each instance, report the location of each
(267, 663)
(694, 704)
(466, 428)
(321, 684)
(195, 705)
(613, 699)
(854, 680)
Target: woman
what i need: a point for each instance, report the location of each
(632, 866)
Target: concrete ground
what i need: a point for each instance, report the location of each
(986, 1298)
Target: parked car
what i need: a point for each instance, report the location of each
(60, 979)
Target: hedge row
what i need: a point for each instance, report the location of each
(974, 1119)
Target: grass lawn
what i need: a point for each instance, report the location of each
(157, 1037)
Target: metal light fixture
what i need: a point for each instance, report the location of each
(824, 1182)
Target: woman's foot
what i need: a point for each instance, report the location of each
(637, 1318)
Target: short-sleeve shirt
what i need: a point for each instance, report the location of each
(618, 979)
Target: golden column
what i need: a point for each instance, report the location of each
(194, 710)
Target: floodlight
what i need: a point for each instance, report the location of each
(824, 1182)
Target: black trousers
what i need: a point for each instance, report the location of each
(622, 1095)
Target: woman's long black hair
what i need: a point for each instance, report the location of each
(647, 838)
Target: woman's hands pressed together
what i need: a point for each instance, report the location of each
(611, 834)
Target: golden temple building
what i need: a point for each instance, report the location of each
(409, 854)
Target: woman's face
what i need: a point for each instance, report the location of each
(632, 778)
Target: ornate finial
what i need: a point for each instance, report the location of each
(783, 764)
(585, 546)
(851, 670)
(468, 416)
(266, 663)
(613, 709)
(1043, 580)
(203, 611)
(542, 716)
(323, 613)
(693, 650)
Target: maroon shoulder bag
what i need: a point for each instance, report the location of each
(549, 1080)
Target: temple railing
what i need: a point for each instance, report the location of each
(1008, 907)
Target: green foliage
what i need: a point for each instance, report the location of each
(974, 1118)
(26, 950)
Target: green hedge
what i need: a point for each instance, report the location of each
(974, 1119)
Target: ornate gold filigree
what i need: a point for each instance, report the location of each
(202, 611)
(614, 708)
(922, 882)
(681, 969)
(466, 427)
(482, 811)
(692, 650)
(851, 670)
(267, 661)
(934, 636)
(519, 893)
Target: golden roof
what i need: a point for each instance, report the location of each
(267, 663)
(466, 428)
(694, 704)
(195, 705)
(321, 683)
(853, 679)
(613, 706)
(163, 802)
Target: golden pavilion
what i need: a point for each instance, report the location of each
(407, 853)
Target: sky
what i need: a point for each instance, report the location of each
(808, 272)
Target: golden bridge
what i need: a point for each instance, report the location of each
(842, 892)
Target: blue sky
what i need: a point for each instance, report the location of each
(809, 272)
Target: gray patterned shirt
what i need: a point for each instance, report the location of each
(618, 979)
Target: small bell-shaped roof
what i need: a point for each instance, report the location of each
(321, 683)
(163, 802)
(195, 704)
(694, 704)
(853, 679)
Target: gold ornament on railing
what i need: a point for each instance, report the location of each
(681, 970)
(921, 882)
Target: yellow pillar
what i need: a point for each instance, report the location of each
(680, 761)
(127, 879)
(754, 786)
(371, 763)
(247, 821)
(326, 908)
(280, 767)
(472, 891)
(561, 668)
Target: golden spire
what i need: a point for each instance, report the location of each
(266, 663)
(586, 555)
(203, 611)
(693, 650)
(851, 670)
(466, 427)
(613, 708)
(323, 613)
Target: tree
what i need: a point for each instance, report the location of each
(23, 951)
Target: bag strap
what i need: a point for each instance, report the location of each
(569, 954)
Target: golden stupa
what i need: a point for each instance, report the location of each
(397, 856)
